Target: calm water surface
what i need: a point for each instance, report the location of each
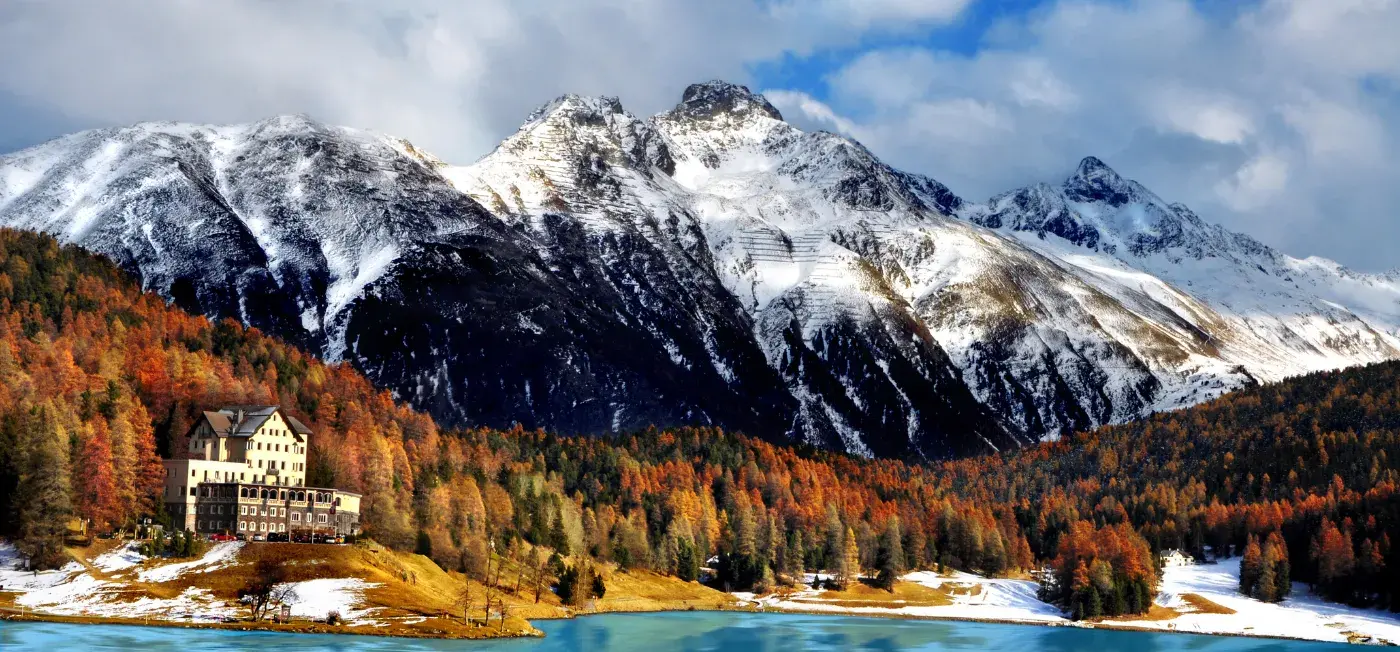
(662, 631)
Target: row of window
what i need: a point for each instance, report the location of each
(259, 446)
(274, 494)
(279, 448)
(260, 479)
(280, 465)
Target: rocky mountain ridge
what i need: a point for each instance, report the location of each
(712, 264)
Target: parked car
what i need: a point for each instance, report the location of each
(222, 537)
(259, 537)
(277, 536)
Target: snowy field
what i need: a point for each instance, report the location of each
(1302, 616)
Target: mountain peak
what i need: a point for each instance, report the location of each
(1094, 181)
(707, 99)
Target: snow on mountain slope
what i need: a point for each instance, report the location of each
(712, 264)
(290, 216)
(1076, 305)
(852, 358)
(1272, 315)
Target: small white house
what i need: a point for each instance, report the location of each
(1176, 557)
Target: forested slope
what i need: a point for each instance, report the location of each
(98, 378)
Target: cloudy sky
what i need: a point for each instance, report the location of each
(1280, 118)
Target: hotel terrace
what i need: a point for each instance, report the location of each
(246, 475)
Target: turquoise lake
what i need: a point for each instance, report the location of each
(662, 631)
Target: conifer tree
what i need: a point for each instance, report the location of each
(1251, 567)
(850, 560)
(43, 495)
(889, 559)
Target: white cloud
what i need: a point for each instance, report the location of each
(453, 77)
(1255, 183)
(1033, 82)
(863, 14)
(1197, 114)
(811, 110)
(1337, 132)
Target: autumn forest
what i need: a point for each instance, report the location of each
(99, 381)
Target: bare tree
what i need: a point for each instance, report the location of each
(515, 559)
(538, 570)
(265, 588)
(464, 598)
(491, 581)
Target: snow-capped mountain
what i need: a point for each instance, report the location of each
(713, 264)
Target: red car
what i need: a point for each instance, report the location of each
(222, 537)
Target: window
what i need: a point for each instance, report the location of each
(192, 491)
(281, 527)
(262, 527)
(296, 517)
(308, 517)
(322, 518)
(199, 525)
(242, 525)
(243, 510)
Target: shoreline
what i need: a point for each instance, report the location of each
(322, 629)
(9, 614)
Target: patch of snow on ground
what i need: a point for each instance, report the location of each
(315, 598)
(1300, 616)
(976, 598)
(88, 596)
(220, 556)
(66, 597)
(119, 558)
(13, 577)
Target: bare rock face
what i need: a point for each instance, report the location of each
(709, 265)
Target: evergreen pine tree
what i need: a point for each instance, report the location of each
(43, 497)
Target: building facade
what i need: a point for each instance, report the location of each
(246, 475)
(1172, 558)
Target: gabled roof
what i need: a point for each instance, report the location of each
(244, 420)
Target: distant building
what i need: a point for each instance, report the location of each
(1176, 557)
(246, 474)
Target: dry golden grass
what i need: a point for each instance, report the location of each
(862, 594)
(637, 590)
(408, 588)
(1204, 606)
(1154, 613)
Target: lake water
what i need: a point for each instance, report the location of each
(660, 632)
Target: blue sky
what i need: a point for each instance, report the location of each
(963, 36)
(1279, 118)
